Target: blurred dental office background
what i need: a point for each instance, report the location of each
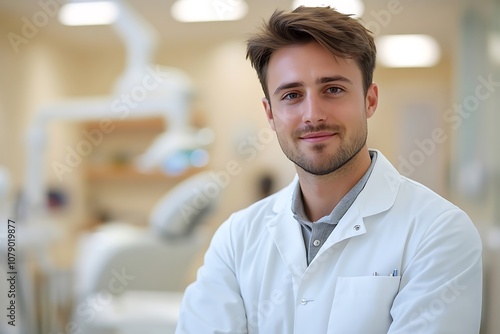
(130, 131)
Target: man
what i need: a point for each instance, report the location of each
(350, 246)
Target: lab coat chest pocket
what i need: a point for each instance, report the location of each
(362, 304)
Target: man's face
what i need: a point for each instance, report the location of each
(318, 107)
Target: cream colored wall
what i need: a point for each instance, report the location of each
(13, 105)
(427, 90)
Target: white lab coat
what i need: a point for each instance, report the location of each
(255, 278)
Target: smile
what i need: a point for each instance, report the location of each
(316, 137)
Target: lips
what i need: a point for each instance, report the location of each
(317, 136)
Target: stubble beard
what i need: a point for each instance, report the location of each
(314, 164)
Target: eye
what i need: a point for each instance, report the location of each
(290, 96)
(334, 90)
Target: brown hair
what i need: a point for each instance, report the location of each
(340, 34)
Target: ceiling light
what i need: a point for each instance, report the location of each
(407, 51)
(88, 13)
(354, 7)
(205, 11)
(494, 48)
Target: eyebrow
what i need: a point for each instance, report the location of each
(321, 80)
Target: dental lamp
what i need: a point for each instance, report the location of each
(170, 99)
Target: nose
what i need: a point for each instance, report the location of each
(314, 112)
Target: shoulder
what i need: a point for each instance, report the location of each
(409, 202)
(419, 198)
(435, 217)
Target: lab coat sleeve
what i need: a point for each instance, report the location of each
(213, 303)
(441, 286)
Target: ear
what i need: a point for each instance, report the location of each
(269, 113)
(371, 100)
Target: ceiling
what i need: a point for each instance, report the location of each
(439, 18)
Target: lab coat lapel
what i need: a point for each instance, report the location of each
(378, 195)
(287, 235)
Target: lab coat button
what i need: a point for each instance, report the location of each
(303, 301)
(316, 242)
(356, 227)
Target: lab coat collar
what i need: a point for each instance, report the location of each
(381, 190)
(378, 195)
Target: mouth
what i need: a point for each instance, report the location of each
(315, 137)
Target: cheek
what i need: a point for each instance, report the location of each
(351, 112)
(286, 123)
(289, 113)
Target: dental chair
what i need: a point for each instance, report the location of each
(130, 279)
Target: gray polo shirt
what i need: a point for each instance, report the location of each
(316, 233)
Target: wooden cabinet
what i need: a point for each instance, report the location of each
(115, 188)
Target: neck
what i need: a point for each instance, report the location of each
(322, 193)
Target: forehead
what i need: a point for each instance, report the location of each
(305, 62)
